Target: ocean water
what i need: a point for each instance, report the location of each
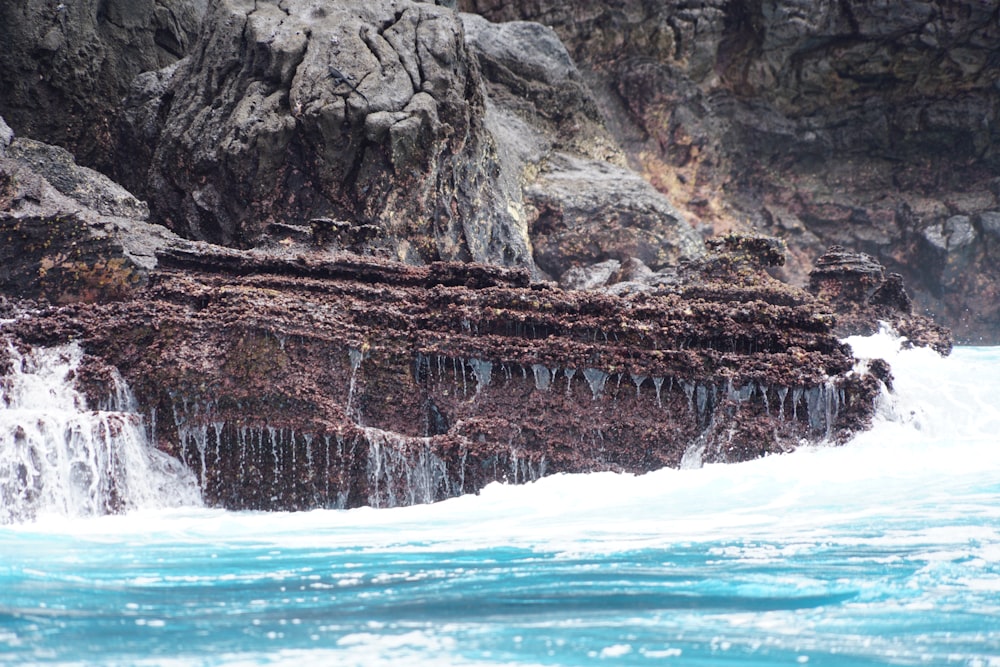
(885, 551)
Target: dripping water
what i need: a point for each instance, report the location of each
(596, 378)
(355, 357)
(637, 380)
(482, 371)
(569, 373)
(543, 377)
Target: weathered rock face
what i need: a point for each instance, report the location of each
(565, 172)
(370, 113)
(65, 66)
(318, 381)
(872, 126)
(289, 374)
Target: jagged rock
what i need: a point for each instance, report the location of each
(65, 66)
(437, 380)
(367, 112)
(529, 74)
(78, 237)
(856, 286)
(569, 181)
(821, 122)
(89, 188)
(418, 153)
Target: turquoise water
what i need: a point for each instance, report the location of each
(882, 552)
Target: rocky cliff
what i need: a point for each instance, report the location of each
(386, 253)
(339, 381)
(873, 126)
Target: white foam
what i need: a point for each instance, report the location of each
(905, 467)
(59, 457)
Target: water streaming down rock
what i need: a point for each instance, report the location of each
(57, 456)
(483, 372)
(596, 378)
(405, 471)
(543, 376)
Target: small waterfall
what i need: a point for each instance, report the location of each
(637, 380)
(404, 471)
(569, 373)
(483, 372)
(56, 456)
(823, 403)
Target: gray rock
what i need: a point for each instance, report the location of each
(936, 236)
(529, 70)
(587, 211)
(952, 234)
(589, 277)
(371, 112)
(64, 67)
(990, 221)
(89, 188)
(961, 233)
(6, 136)
(628, 288)
(83, 240)
(791, 103)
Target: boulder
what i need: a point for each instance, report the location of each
(589, 277)
(586, 211)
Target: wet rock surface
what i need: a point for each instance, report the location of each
(864, 297)
(339, 381)
(407, 256)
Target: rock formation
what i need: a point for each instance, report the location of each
(868, 125)
(70, 234)
(65, 66)
(864, 297)
(445, 137)
(369, 207)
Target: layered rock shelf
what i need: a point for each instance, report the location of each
(290, 383)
